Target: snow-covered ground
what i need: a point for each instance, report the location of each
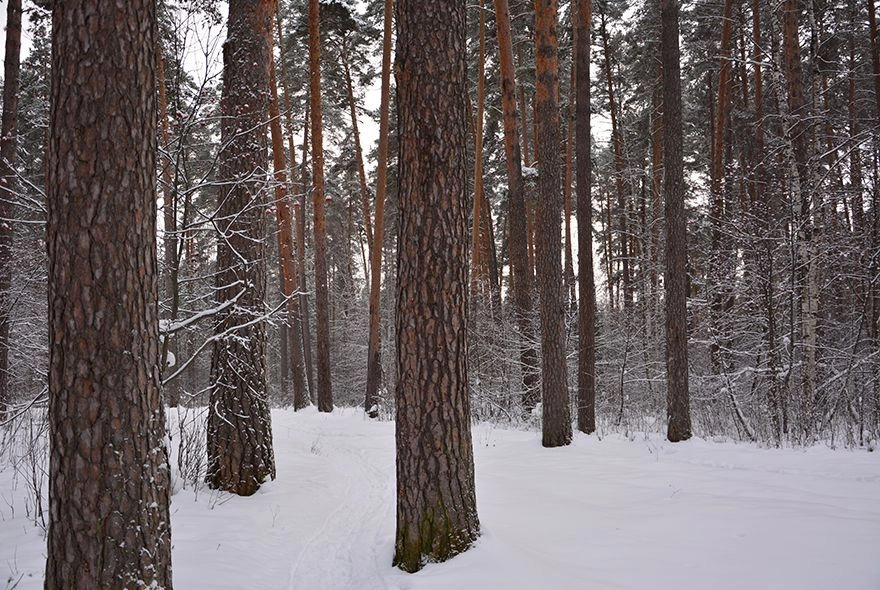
(601, 514)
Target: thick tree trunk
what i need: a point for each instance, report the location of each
(240, 454)
(677, 395)
(289, 275)
(519, 260)
(374, 346)
(8, 184)
(322, 295)
(108, 470)
(554, 382)
(436, 503)
(586, 284)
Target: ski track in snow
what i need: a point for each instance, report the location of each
(606, 514)
(349, 549)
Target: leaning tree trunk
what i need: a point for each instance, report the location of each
(374, 346)
(554, 382)
(108, 469)
(436, 503)
(358, 152)
(240, 455)
(586, 284)
(322, 295)
(677, 396)
(8, 143)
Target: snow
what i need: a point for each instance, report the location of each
(617, 513)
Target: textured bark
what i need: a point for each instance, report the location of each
(289, 275)
(374, 346)
(322, 295)
(519, 258)
(108, 472)
(436, 503)
(677, 395)
(556, 428)
(240, 455)
(8, 183)
(586, 417)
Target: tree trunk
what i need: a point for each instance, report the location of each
(519, 261)
(171, 241)
(586, 284)
(656, 188)
(108, 471)
(720, 275)
(806, 269)
(8, 184)
(568, 266)
(478, 252)
(374, 346)
(875, 52)
(289, 275)
(322, 295)
(677, 395)
(299, 209)
(358, 152)
(240, 455)
(436, 503)
(554, 382)
(298, 182)
(619, 171)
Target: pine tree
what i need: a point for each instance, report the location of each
(436, 502)
(108, 472)
(677, 395)
(322, 296)
(240, 454)
(8, 182)
(586, 286)
(554, 383)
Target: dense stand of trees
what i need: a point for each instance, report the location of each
(722, 278)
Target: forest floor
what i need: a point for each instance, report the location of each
(617, 513)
